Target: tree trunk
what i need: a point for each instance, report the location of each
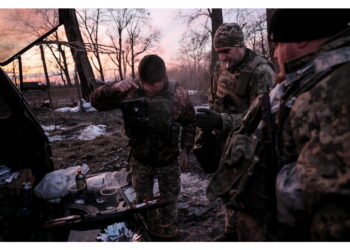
(86, 75)
(120, 55)
(65, 65)
(216, 21)
(100, 66)
(48, 83)
(132, 58)
(269, 13)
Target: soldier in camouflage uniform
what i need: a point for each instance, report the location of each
(239, 77)
(294, 151)
(313, 123)
(154, 141)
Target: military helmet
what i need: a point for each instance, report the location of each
(229, 35)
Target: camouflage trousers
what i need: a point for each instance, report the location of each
(256, 226)
(230, 220)
(331, 222)
(169, 188)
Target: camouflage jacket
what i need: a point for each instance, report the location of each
(315, 135)
(182, 112)
(228, 96)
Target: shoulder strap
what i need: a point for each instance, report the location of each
(246, 74)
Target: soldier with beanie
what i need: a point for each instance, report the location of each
(313, 123)
(155, 136)
(288, 166)
(239, 77)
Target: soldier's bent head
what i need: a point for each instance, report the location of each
(152, 69)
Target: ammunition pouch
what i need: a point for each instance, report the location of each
(242, 180)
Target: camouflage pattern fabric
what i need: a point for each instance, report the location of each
(228, 35)
(169, 187)
(223, 98)
(182, 113)
(316, 137)
(163, 220)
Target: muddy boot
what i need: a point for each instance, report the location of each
(164, 232)
(227, 236)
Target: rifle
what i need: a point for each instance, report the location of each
(95, 218)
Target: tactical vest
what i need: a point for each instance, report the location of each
(157, 142)
(230, 91)
(303, 80)
(247, 174)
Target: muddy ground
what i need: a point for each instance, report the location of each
(200, 220)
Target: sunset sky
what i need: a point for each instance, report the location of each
(164, 17)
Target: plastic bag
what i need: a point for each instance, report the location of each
(55, 184)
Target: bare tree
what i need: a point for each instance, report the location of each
(211, 20)
(254, 26)
(138, 41)
(90, 22)
(86, 75)
(216, 20)
(121, 18)
(60, 59)
(34, 23)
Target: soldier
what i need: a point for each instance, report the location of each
(154, 136)
(239, 77)
(293, 147)
(312, 187)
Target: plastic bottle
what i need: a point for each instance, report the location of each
(80, 179)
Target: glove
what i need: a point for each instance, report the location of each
(208, 120)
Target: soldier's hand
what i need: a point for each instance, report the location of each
(124, 86)
(208, 120)
(184, 160)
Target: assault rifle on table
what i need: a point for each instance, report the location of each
(95, 218)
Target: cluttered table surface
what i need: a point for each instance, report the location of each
(98, 207)
(107, 196)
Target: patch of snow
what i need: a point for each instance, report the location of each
(50, 128)
(91, 132)
(56, 138)
(76, 109)
(192, 92)
(63, 110)
(86, 105)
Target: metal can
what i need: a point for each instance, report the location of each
(26, 195)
